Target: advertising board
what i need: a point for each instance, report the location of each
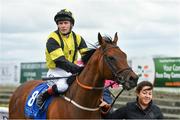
(33, 71)
(167, 72)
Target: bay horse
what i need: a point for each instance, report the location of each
(82, 99)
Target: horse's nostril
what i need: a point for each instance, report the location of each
(134, 78)
(131, 78)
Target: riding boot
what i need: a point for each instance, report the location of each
(42, 97)
(70, 80)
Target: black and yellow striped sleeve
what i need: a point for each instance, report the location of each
(54, 49)
(82, 46)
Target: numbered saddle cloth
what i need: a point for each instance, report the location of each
(31, 109)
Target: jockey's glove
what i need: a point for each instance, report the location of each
(80, 69)
(75, 69)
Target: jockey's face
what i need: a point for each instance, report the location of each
(145, 96)
(64, 26)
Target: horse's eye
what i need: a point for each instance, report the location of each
(111, 58)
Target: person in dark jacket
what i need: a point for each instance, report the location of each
(142, 108)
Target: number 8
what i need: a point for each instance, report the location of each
(32, 99)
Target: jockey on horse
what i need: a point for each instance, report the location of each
(61, 54)
(62, 49)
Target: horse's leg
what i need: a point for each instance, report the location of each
(18, 99)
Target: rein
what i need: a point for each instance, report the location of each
(88, 87)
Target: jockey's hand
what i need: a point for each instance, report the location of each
(76, 69)
(80, 69)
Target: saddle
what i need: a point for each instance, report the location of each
(31, 109)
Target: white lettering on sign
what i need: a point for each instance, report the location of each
(167, 68)
(176, 68)
(166, 75)
(158, 75)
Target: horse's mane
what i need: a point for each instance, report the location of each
(87, 55)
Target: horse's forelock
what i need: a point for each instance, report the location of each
(90, 52)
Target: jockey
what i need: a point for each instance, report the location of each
(62, 49)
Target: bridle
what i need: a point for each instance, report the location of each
(115, 72)
(116, 76)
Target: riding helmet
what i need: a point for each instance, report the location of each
(64, 14)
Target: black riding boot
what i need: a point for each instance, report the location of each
(70, 80)
(42, 97)
(51, 91)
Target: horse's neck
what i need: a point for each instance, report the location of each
(91, 75)
(88, 77)
(92, 78)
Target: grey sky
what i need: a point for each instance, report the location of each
(145, 27)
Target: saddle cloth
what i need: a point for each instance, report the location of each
(31, 109)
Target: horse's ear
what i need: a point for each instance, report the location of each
(115, 38)
(101, 40)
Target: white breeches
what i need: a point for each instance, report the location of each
(62, 85)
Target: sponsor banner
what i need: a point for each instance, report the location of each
(144, 68)
(167, 72)
(33, 71)
(9, 73)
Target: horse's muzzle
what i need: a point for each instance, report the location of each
(130, 81)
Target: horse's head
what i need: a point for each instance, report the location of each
(113, 63)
